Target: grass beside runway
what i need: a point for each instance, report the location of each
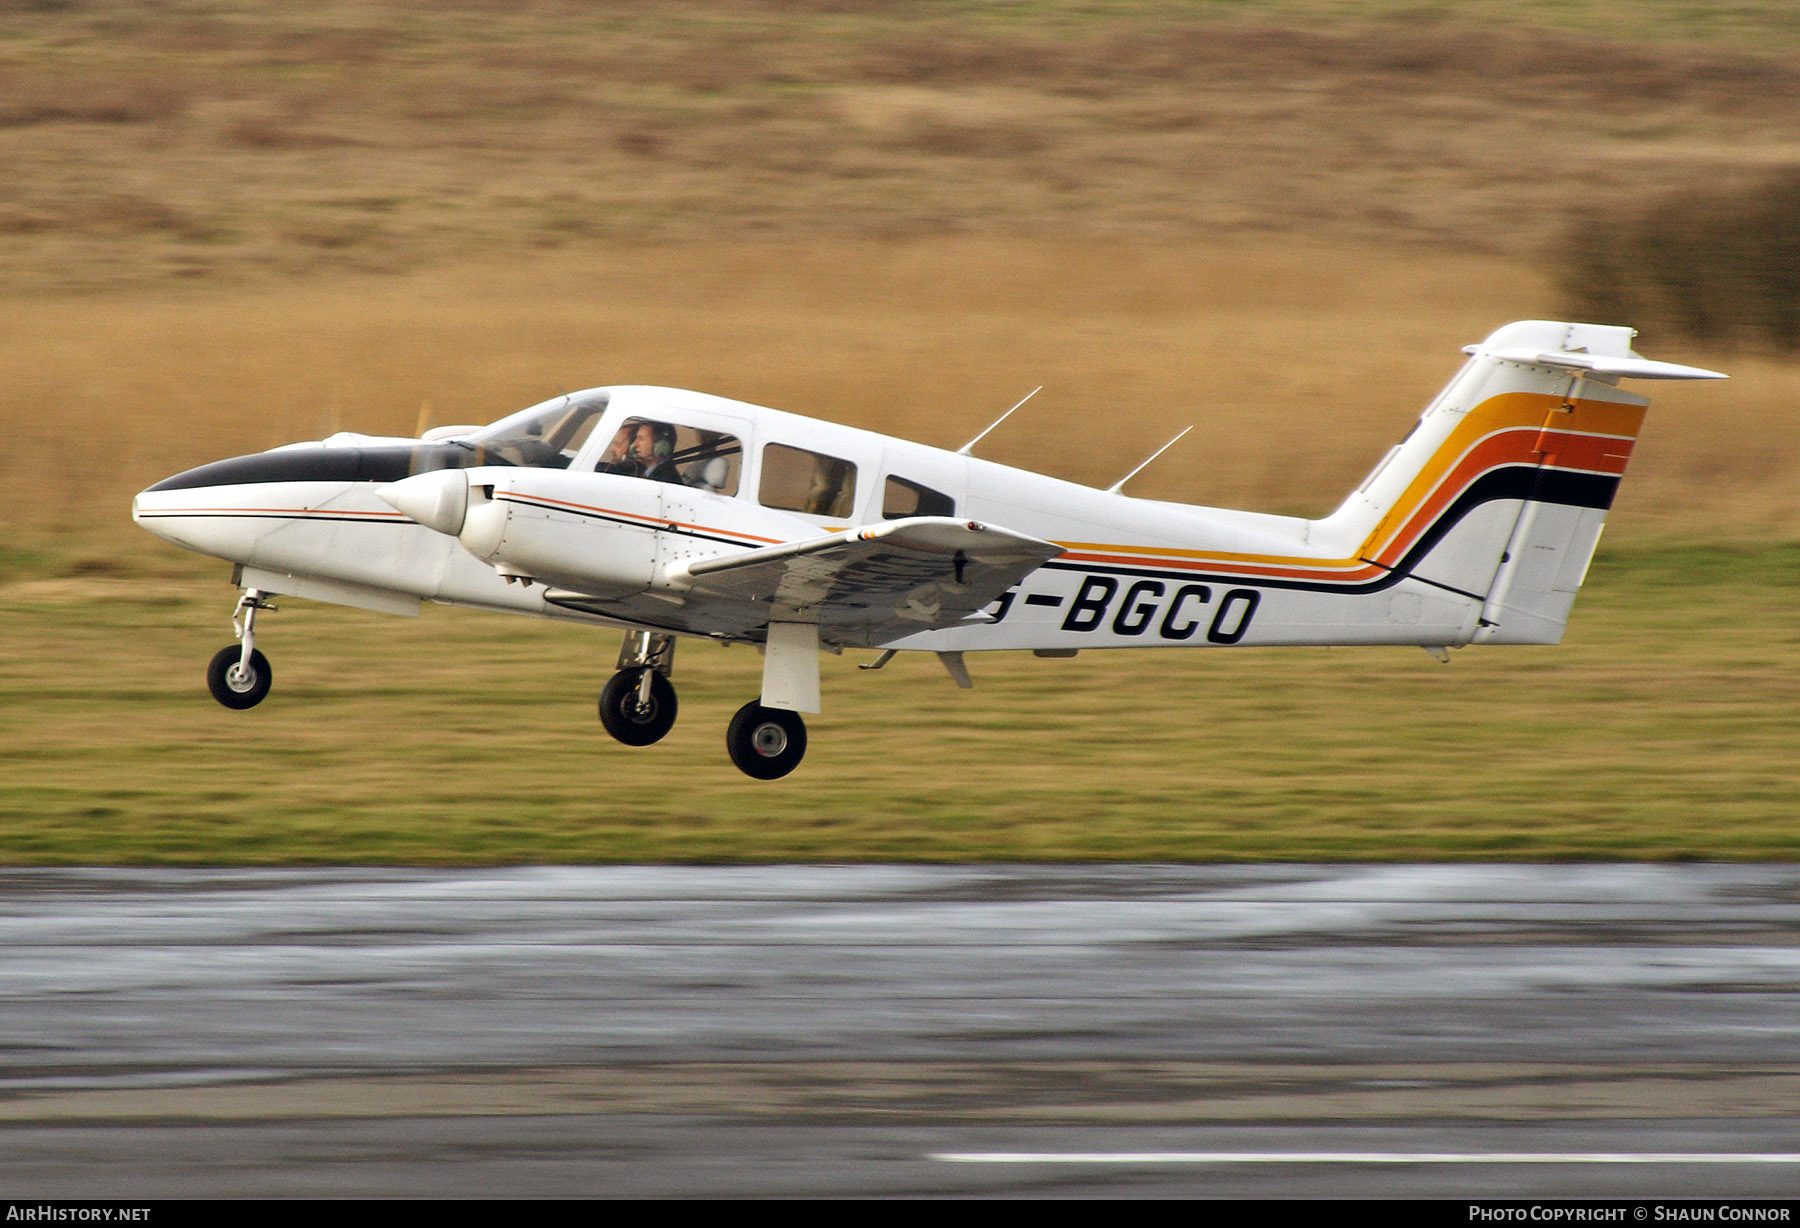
(1663, 727)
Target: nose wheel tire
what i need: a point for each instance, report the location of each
(766, 743)
(633, 722)
(236, 685)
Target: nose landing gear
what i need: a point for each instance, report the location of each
(637, 705)
(239, 676)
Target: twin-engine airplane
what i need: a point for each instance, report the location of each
(671, 513)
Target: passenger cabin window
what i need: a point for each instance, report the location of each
(796, 480)
(670, 452)
(901, 498)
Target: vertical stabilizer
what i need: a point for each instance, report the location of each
(1500, 492)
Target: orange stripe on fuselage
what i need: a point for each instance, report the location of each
(1212, 564)
(1591, 453)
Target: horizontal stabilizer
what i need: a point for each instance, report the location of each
(1602, 365)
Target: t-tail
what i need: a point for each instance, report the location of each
(1501, 490)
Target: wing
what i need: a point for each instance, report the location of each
(879, 582)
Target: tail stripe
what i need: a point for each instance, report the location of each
(1514, 445)
(1569, 488)
(1599, 454)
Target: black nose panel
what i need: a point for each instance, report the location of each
(384, 464)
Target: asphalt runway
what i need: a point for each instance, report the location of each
(1279, 1031)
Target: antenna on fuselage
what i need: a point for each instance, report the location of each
(964, 450)
(1114, 488)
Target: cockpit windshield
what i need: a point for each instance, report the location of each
(545, 436)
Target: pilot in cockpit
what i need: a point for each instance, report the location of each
(617, 458)
(655, 450)
(642, 449)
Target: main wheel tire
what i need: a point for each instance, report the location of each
(237, 687)
(625, 719)
(766, 743)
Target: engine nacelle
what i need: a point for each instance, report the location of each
(591, 532)
(607, 535)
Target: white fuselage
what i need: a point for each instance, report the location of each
(1478, 527)
(672, 513)
(1137, 573)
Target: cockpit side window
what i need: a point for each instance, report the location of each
(672, 452)
(796, 480)
(901, 498)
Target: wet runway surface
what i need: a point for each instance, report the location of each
(1519, 1031)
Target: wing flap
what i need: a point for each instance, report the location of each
(878, 581)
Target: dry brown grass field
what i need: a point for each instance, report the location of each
(231, 225)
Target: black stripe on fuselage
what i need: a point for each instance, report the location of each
(1526, 483)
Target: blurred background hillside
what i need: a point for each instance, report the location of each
(226, 224)
(224, 138)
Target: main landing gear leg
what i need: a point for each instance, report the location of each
(637, 705)
(239, 676)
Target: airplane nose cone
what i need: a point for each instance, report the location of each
(145, 508)
(195, 520)
(437, 500)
